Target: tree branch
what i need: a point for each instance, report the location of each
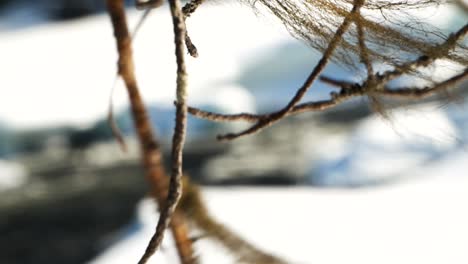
(151, 152)
(188, 10)
(276, 116)
(175, 186)
(377, 86)
(192, 204)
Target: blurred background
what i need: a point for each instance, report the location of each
(67, 188)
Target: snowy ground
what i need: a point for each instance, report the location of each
(378, 151)
(62, 73)
(420, 221)
(12, 175)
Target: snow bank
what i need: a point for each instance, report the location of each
(417, 222)
(62, 73)
(380, 150)
(12, 175)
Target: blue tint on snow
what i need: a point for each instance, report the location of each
(375, 153)
(163, 119)
(274, 77)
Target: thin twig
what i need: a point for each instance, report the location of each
(193, 205)
(223, 118)
(416, 92)
(375, 103)
(140, 22)
(298, 109)
(148, 4)
(188, 10)
(175, 186)
(274, 117)
(336, 83)
(151, 152)
(347, 92)
(111, 119)
(436, 52)
(380, 81)
(363, 48)
(116, 132)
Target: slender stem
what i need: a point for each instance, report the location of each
(192, 203)
(188, 10)
(416, 92)
(437, 52)
(151, 152)
(175, 186)
(378, 86)
(148, 4)
(274, 117)
(347, 92)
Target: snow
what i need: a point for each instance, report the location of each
(12, 175)
(62, 73)
(420, 221)
(380, 150)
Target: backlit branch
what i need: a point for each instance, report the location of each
(437, 52)
(324, 25)
(274, 117)
(347, 91)
(375, 83)
(375, 103)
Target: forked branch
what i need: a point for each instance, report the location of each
(272, 118)
(375, 83)
(347, 91)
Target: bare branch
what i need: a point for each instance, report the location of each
(140, 22)
(336, 83)
(188, 10)
(148, 4)
(116, 133)
(329, 33)
(115, 129)
(274, 117)
(375, 103)
(300, 108)
(192, 204)
(416, 92)
(348, 91)
(152, 158)
(364, 53)
(425, 60)
(223, 118)
(175, 186)
(378, 84)
(315, 22)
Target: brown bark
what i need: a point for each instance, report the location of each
(150, 148)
